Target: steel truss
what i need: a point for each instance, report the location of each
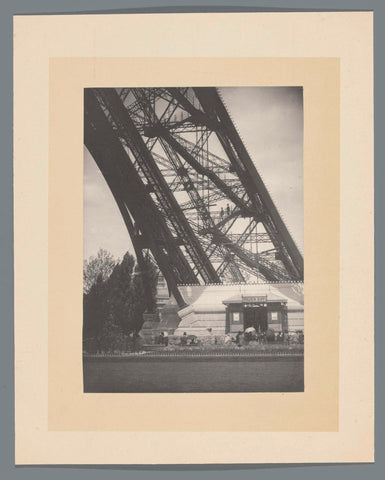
(186, 187)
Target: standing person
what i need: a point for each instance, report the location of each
(238, 338)
(228, 209)
(222, 212)
(165, 339)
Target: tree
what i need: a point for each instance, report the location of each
(103, 264)
(111, 337)
(113, 306)
(137, 302)
(95, 309)
(119, 292)
(143, 294)
(150, 275)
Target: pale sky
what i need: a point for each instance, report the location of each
(270, 123)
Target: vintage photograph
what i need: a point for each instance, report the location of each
(193, 240)
(168, 196)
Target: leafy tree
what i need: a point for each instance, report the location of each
(103, 264)
(119, 292)
(114, 306)
(111, 337)
(137, 302)
(95, 309)
(143, 294)
(149, 280)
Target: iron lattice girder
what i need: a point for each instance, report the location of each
(238, 240)
(192, 168)
(162, 132)
(215, 116)
(131, 196)
(256, 189)
(217, 163)
(264, 208)
(190, 187)
(170, 206)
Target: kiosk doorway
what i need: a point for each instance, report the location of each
(255, 317)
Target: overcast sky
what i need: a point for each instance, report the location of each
(270, 122)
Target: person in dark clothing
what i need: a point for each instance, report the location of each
(228, 209)
(183, 339)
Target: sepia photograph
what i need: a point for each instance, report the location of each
(188, 218)
(193, 240)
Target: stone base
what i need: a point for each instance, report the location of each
(168, 321)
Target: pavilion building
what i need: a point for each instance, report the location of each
(220, 309)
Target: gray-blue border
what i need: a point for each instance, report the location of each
(7, 468)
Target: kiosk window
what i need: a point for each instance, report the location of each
(236, 317)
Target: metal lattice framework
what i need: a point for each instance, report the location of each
(186, 186)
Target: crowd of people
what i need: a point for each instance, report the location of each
(241, 338)
(269, 336)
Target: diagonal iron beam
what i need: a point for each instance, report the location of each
(257, 191)
(170, 205)
(160, 131)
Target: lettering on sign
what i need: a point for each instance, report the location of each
(254, 299)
